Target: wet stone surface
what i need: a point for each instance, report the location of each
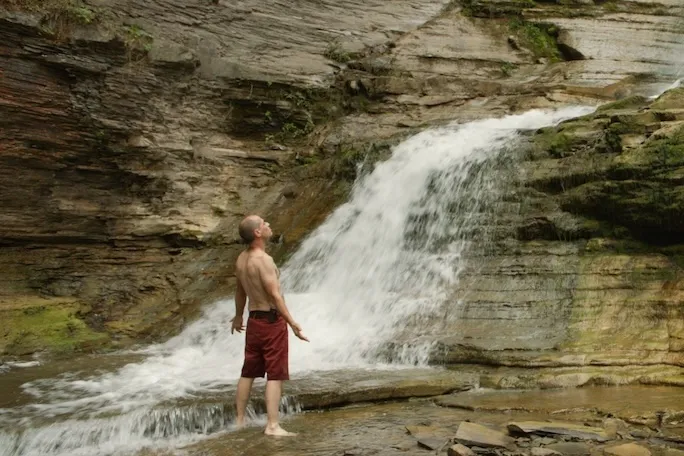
(422, 427)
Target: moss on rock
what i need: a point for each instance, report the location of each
(540, 38)
(32, 323)
(672, 99)
(621, 165)
(631, 103)
(488, 9)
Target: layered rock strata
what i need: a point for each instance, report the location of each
(136, 135)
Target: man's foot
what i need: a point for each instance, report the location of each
(278, 431)
(240, 423)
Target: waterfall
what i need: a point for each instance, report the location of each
(379, 265)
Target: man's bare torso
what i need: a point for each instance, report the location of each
(248, 269)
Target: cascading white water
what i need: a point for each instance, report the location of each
(387, 256)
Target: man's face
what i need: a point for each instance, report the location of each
(264, 230)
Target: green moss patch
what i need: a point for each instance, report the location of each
(672, 99)
(540, 38)
(633, 102)
(31, 324)
(57, 16)
(665, 152)
(488, 9)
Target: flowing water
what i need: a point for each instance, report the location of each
(385, 259)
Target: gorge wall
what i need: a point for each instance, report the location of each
(583, 266)
(136, 136)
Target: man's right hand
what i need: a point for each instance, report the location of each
(237, 325)
(298, 332)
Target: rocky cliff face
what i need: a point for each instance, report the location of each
(136, 135)
(583, 266)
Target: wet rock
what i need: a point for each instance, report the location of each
(557, 428)
(354, 452)
(543, 452)
(290, 192)
(627, 449)
(571, 448)
(430, 443)
(429, 437)
(513, 41)
(615, 427)
(630, 183)
(403, 446)
(523, 443)
(489, 451)
(673, 452)
(336, 390)
(478, 435)
(460, 450)
(541, 441)
(640, 433)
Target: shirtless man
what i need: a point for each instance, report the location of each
(266, 345)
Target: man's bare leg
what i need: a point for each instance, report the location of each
(274, 390)
(244, 387)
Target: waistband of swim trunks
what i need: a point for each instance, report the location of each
(263, 314)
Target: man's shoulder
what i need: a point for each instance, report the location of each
(241, 257)
(265, 258)
(254, 257)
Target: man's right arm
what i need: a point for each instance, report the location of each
(240, 299)
(240, 303)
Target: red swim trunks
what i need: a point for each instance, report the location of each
(266, 349)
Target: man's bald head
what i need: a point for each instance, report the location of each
(248, 226)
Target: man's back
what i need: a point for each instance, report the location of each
(249, 269)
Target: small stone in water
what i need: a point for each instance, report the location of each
(640, 433)
(543, 452)
(627, 449)
(541, 441)
(476, 434)
(460, 450)
(571, 448)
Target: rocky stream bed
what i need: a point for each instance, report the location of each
(593, 421)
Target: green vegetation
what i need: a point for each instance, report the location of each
(486, 9)
(82, 14)
(667, 151)
(611, 7)
(57, 15)
(557, 144)
(507, 68)
(633, 102)
(288, 115)
(540, 38)
(354, 159)
(138, 39)
(34, 324)
(336, 53)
